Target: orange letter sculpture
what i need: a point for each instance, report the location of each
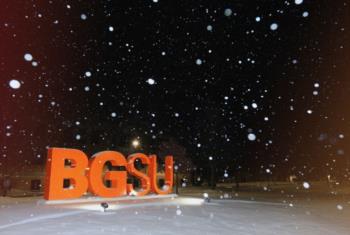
(117, 178)
(81, 178)
(57, 172)
(145, 181)
(168, 175)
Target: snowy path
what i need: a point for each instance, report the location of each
(165, 216)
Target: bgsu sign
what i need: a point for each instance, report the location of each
(85, 175)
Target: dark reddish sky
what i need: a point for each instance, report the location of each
(202, 79)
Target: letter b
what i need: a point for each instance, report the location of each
(57, 172)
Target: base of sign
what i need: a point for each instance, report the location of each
(90, 199)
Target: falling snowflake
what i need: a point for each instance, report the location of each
(88, 74)
(83, 16)
(14, 84)
(251, 137)
(309, 111)
(151, 81)
(274, 26)
(28, 57)
(305, 14)
(178, 211)
(306, 185)
(228, 12)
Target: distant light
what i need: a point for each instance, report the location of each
(206, 197)
(298, 2)
(305, 14)
(199, 61)
(258, 19)
(135, 143)
(110, 28)
(209, 28)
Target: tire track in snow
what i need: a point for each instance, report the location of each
(40, 218)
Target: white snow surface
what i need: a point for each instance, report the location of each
(169, 215)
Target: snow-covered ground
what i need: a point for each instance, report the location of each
(181, 215)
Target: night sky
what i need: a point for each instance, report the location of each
(259, 86)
